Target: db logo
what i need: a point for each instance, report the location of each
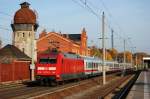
(46, 68)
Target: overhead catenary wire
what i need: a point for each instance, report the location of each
(84, 4)
(87, 5)
(90, 9)
(124, 36)
(4, 28)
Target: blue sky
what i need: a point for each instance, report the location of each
(128, 18)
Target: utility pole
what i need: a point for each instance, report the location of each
(103, 45)
(131, 58)
(0, 43)
(136, 61)
(124, 57)
(132, 51)
(32, 65)
(135, 58)
(112, 38)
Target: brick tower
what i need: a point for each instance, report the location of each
(83, 46)
(24, 26)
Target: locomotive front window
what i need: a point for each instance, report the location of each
(48, 61)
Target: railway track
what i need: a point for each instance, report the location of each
(125, 90)
(70, 90)
(25, 92)
(106, 90)
(109, 90)
(100, 92)
(11, 86)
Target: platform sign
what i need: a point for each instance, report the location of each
(32, 66)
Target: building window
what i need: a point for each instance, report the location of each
(18, 34)
(23, 35)
(23, 50)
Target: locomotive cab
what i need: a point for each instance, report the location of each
(47, 67)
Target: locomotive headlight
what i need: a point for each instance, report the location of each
(52, 68)
(57, 76)
(40, 68)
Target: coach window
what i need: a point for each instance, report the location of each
(90, 65)
(93, 65)
(86, 64)
(96, 65)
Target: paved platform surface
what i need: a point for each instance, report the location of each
(141, 89)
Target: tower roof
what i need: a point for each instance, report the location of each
(24, 4)
(25, 15)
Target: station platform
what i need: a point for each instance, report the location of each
(141, 88)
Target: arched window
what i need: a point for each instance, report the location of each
(23, 35)
(18, 34)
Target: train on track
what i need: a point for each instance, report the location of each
(57, 67)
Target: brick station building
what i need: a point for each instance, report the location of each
(74, 43)
(14, 65)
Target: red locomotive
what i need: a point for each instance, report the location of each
(56, 66)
